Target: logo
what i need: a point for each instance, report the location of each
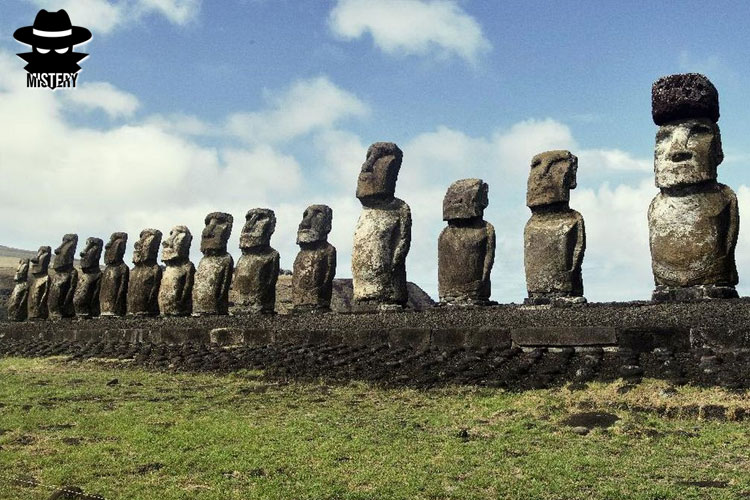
(52, 63)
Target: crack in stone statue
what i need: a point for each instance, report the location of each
(555, 236)
(214, 275)
(86, 297)
(63, 281)
(466, 248)
(114, 288)
(39, 286)
(693, 221)
(18, 303)
(176, 289)
(254, 285)
(315, 264)
(145, 277)
(383, 233)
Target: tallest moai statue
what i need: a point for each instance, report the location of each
(693, 222)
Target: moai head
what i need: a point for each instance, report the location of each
(22, 272)
(465, 199)
(114, 250)
(66, 252)
(688, 142)
(40, 263)
(260, 223)
(146, 249)
(552, 176)
(91, 253)
(315, 225)
(377, 179)
(216, 233)
(177, 245)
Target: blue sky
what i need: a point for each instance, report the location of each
(188, 107)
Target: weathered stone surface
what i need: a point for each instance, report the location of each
(145, 277)
(86, 297)
(693, 221)
(682, 96)
(383, 234)
(114, 288)
(555, 235)
(254, 284)
(176, 289)
(39, 284)
(63, 281)
(18, 304)
(562, 335)
(315, 264)
(466, 248)
(214, 275)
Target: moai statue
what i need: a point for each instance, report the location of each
(114, 288)
(315, 265)
(176, 290)
(693, 221)
(383, 233)
(18, 304)
(214, 275)
(39, 286)
(254, 286)
(554, 239)
(86, 298)
(63, 282)
(145, 277)
(466, 248)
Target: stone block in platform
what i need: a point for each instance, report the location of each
(564, 336)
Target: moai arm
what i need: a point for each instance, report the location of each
(275, 270)
(489, 257)
(122, 291)
(73, 285)
(153, 296)
(331, 267)
(226, 279)
(187, 288)
(580, 246)
(404, 236)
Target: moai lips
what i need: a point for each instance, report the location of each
(145, 277)
(254, 285)
(555, 235)
(18, 302)
(63, 281)
(466, 248)
(114, 284)
(315, 264)
(176, 289)
(214, 275)
(39, 284)
(383, 234)
(86, 297)
(694, 220)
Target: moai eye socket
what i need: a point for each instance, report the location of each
(42, 51)
(62, 51)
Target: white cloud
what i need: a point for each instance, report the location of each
(411, 27)
(103, 96)
(105, 16)
(613, 159)
(306, 106)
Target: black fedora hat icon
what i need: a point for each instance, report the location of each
(52, 30)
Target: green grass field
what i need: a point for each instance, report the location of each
(169, 436)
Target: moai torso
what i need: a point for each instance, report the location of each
(86, 298)
(63, 281)
(39, 285)
(555, 235)
(381, 241)
(690, 237)
(694, 220)
(145, 277)
(176, 289)
(214, 275)
(18, 305)
(553, 248)
(254, 285)
(466, 248)
(114, 284)
(315, 264)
